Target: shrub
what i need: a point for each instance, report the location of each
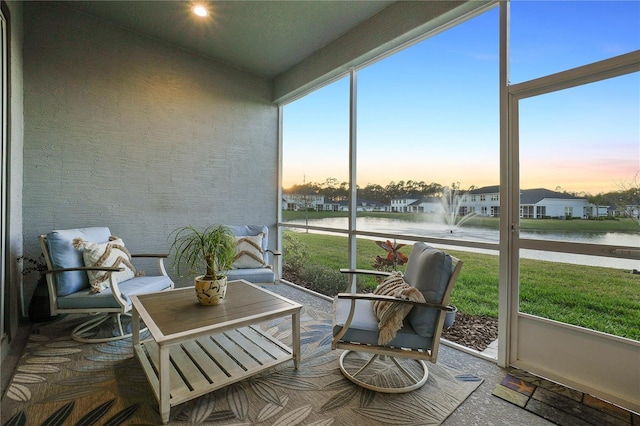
(295, 256)
(323, 280)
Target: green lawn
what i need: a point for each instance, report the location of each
(602, 299)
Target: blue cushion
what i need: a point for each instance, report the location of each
(429, 270)
(406, 337)
(64, 255)
(138, 285)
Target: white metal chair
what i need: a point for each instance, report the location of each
(70, 289)
(431, 271)
(255, 262)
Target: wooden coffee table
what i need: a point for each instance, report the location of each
(197, 349)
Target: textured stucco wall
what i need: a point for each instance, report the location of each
(124, 131)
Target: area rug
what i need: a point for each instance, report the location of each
(60, 381)
(559, 404)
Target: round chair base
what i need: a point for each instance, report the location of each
(400, 375)
(89, 328)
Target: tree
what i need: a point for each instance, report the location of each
(628, 199)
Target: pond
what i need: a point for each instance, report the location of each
(485, 235)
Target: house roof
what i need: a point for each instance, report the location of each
(425, 200)
(532, 196)
(494, 189)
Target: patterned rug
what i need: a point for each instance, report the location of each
(60, 381)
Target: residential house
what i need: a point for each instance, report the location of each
(482, 201)
(402, 205)
(536, 203)
(430, 205)
(302, 202)
(362, 206)
(542, 203)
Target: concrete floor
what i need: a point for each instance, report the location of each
(481, 408)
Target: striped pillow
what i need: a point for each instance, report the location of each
(249, 252)
(111, 254)
(391, 314)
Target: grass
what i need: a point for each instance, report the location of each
(557, 225)
(598, 298)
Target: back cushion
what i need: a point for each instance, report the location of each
(429, 270)
(64, 255)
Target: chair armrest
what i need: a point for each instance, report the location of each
(365, 272)
(274, 252)
(374, 297)
(83, 268)
(158, 256)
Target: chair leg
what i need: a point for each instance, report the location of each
(415, 383)
(78, 334)
(364, 367)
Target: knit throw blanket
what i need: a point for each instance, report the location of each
(391, 314)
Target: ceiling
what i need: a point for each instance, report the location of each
(262, 37)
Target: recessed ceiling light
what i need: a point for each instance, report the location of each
(200, 10)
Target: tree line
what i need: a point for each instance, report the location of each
(339, 191)
(627, 195)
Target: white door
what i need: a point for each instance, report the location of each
(584, 332)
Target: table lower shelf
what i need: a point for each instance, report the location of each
(207, 363)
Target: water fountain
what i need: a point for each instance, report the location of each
(451, 201)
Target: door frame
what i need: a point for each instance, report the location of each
(597, 363)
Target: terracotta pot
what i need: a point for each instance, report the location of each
(210, 292)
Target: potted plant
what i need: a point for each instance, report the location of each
(211, 252)
(393, 259)
(39, 308)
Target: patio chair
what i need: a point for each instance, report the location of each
(358, 329)
(254, 261)
(90, 272)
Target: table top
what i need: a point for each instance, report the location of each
(176, 315)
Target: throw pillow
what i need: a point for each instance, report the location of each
(391, 314)
(249, 252)
(109, 254)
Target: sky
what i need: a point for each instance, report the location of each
(431, 112)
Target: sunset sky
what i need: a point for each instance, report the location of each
(430, 112)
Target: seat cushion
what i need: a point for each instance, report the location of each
(254, 275)
(428, 270)
(64, 255)
(139, 285)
